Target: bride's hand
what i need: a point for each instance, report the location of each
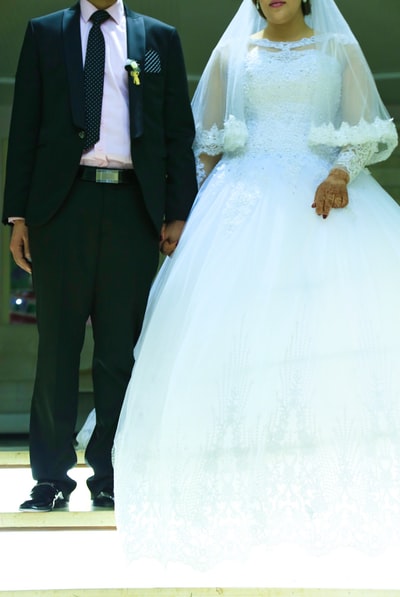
(332, 192)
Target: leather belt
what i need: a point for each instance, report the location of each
(106, 175)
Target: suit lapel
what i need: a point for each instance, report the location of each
(136, 41)
(73, 59)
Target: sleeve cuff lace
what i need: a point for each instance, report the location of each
(354, 159)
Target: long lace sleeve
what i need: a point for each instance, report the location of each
(210, 141)
(208, 106)
(220, 126)
(350, 115)
(208, 149)
(209, 110)
(354, 159)
(204, 165)
(372, 135)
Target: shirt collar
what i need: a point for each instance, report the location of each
(116, 10)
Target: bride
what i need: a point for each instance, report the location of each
(264, 408)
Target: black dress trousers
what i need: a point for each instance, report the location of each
(96, 258)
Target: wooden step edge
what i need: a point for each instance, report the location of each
(20, 458)
(57, 520)
(203, 592)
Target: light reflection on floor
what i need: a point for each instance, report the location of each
(90, 559)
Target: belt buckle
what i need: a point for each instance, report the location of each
(109, 176)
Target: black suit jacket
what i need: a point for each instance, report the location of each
(48, 124)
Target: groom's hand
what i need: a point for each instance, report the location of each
(170, 235)
(19, 246)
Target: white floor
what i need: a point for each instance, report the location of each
(91, 559)
(49, 559)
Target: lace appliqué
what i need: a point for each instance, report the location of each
(354, 159)
(215, 141)
(224, 505)
(363, 134)
(236, 210)
(200, 171)
(240, 204)
(209, 141)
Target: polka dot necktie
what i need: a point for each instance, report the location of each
(94, 78)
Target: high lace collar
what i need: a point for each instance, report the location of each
(283, 45)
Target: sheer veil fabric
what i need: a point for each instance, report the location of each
(263, 408)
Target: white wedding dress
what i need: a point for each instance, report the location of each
(264, 406)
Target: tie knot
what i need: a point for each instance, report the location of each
(99, 17)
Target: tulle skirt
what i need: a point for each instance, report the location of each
(264, 406)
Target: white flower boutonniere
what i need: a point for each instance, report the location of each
(133, 69)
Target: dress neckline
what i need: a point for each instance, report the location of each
(283, 45)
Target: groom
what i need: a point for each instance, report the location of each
(100, 175)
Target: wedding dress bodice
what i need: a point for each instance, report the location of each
(287, 87)
(280, 88)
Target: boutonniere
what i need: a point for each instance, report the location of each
(133, 69)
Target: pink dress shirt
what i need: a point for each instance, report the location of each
(113, 149)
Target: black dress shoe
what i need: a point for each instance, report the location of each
(45, 497)
(104, 499)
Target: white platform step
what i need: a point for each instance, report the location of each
(16, 484)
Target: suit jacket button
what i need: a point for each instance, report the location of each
(81, 134)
